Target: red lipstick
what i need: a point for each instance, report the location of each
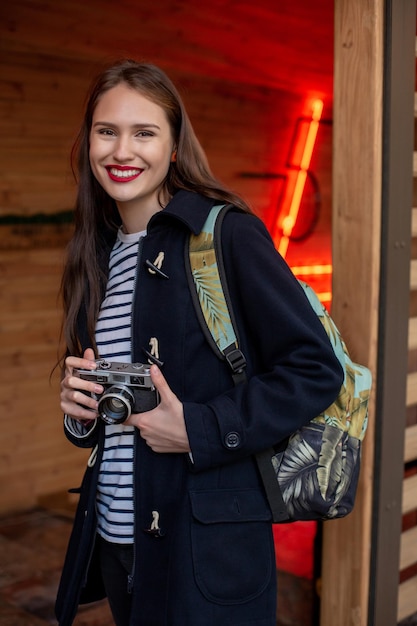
(123, 173)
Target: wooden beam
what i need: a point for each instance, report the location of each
(395, 388)
(357, 132)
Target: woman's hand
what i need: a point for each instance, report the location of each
(163, 428)
(74, 402)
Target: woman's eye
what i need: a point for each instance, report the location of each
(144, 133)
(106, 131)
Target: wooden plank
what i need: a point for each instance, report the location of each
(407, 598)
(414, 222)
(408, 551)
(411, 389)
(409, 499)
(413, 275)
(410, 444)
(412, 333)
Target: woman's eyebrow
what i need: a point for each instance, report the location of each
(137, 125)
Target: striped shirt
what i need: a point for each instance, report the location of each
(113, 337)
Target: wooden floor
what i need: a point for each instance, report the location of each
(32, 547)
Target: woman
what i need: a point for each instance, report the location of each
(172, 524)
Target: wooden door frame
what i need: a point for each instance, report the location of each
(372, 198)
(397, 201)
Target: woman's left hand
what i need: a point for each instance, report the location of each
(163, 428)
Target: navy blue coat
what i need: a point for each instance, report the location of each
(215, 562)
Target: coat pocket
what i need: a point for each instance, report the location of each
(232, 545)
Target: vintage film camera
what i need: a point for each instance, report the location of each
(128, 388)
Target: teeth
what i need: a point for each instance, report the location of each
(123, 173)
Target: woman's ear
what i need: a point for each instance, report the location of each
(174, 155)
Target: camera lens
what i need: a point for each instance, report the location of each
(115, 405)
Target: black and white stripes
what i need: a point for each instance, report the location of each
(113, 337)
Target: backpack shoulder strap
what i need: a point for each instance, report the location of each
(208, 285)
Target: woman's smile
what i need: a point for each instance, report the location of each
(123, 174)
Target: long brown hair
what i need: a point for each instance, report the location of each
(96, 215)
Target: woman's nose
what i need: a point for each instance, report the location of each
(123, 150)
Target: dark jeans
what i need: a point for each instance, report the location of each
(116, 561)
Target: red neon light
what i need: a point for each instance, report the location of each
(325, 296)
(290, 219)
(311, 270)
(315, 271)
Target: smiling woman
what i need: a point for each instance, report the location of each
(173, 524)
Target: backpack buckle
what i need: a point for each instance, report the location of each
(236, 360)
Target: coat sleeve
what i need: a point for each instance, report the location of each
(293, 373)
(80, 435)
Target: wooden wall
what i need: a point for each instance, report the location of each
(43, 79)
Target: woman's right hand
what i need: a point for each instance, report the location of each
(74, 402)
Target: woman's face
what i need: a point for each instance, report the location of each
(131, 147)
